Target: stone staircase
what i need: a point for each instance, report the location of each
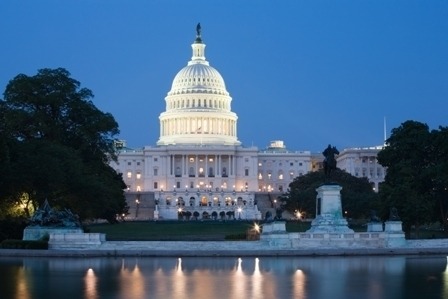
(143, 210)
(265, 203)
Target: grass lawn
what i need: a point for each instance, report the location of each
(172, 230)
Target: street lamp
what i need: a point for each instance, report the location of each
(137, 205)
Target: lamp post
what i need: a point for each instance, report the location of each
(137, 205)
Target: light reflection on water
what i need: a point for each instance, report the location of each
(224, 277)
(90, 281)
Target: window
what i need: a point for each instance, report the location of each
(291, 164)
(155, 185)
(177, 185)
(129, 175)
(155, 159)
(246, 172)
(156, 172)
(129, 163)
(300, 164)
(139, 189)
(138, 175)
(138, 163)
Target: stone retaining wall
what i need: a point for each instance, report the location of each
(76, 240)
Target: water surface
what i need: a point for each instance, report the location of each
(224, 277)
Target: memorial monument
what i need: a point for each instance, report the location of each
(329, 217)
(48, 220)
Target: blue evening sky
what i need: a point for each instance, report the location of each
(306, 72)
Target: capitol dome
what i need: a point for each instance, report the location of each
(198, 106)
(198, 78)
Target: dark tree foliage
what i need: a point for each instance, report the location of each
(416, 179)
(56, 145)
(357, 195)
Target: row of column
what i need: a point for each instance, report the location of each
(200, 125)
(182, 104)
(220, 167)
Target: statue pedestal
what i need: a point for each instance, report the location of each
(329, 211)
(394, 233)
(274, 227)
(374, 227)
(39, 232)
(393, 227)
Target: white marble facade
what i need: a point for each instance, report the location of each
(198, 164)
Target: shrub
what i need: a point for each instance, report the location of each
(12, 228)
(236, 237)
(22, 244)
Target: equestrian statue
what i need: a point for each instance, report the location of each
(330, 160)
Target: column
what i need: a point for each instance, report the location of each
(197, 166)
(218, 158)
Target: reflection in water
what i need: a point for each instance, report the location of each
(90, 281)
(22, 284)
(239, 282)
(257, 281)
(445, 281)
(224, 277)
(298, 281)
(180, 281)
(131, 282)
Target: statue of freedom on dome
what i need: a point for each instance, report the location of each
(198, 29)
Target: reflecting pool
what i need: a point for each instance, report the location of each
(225, 277)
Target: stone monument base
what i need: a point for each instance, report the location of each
(40, 232)
(329, 224)
(76, 240)
(374, 227)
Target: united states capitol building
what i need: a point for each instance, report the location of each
(198, 167)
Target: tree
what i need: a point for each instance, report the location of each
(416, 179)
(406, 156)
(57, 145)
(357, 195)
(439, 174)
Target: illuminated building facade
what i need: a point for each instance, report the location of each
(199, 168)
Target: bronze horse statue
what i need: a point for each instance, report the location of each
(330, 160)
